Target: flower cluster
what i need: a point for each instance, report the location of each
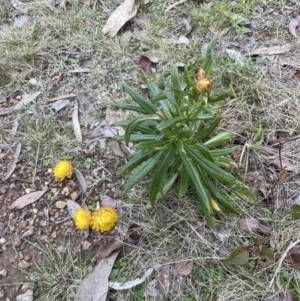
(102, 220)
(63, 170)
(203, 84)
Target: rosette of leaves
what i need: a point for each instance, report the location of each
(173, 132)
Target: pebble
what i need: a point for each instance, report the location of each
(53, 234)
(86, 245)
(27, 233)
(3, 272)
(24, 264)
(25, 287)
(2, 295)
(60, 204)
(43, 223)
(2, 241)
(28, 296)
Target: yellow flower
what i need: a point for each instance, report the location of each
(82, 219)
(104, 219)
(62, 170)
(203, 85)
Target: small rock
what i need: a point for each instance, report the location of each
(86, 245)
(53, 234)
(28, 296)
(2, 241)
(60, 204)
(3, 272)
(2, 295)
(74, 195)
(24, 264)
(65, 191)
(17, 242)
(25, 287)
(28, 233)
(43, 223)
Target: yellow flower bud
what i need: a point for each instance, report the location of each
(214, 205)
(62, 170)
(104, 219)
(203, 85)
(82, 219)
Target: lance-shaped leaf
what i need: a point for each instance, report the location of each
(238, 256)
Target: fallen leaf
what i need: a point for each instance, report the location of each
(108, 201)
(15, 127)
(295, 210)
(285, 162)
(293, 256)
(80, 179)
(266, 257)
(80, 70)
(60, 104)
(273, 50)
(296, 75)
(76, 125)
(27, 199)
(238, 256)
(132, 283)
(94, 286)
(13, 163)
(282, 176)
(119, 17)
(174, 5)
(59, 79)
(249, 224)
(292, 26)
(164, 279)
(184, 268)
(5, 111)
(236, 56)
(26, 99)
(72, 207)
(146, 63)
(111, 246)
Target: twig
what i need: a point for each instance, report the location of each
(174, 4)
(293, 244)
(61, 97)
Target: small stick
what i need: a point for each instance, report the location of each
(61, 97)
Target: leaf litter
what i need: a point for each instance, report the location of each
(76, 125)
(13, 164)
(27, 199)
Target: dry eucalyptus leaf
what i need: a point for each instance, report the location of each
(60, 104)
(238, 256)
(292, 26)
(119, 17)
(94, 286)
(72, 207)
(184, 268)
(76, 125)
(113, 245)
(146, 63)
(273, 50)
(80, 179)
(131, 283)
(5, 111)
(164, 279)
(27, 199)
(26, 99)
(13, 163)
(108, 201)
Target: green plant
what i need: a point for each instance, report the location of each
(174, 140)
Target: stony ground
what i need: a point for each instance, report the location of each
(42, 40)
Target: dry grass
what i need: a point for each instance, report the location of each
(266, 97)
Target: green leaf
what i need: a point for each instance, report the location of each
(219, 97)
(146, 105)
(153, 90)
(210, 168)
(222, 151)
(168, 184)
(153, 144)
(238, 256)
(135, 160)
(130, 107)
(159, 177)
(295, 210)
(143, 170)
(134, 123)
(209, 55)
(208, 130)
(176, 85)
(184, 182)
(219, 139)
(198, 187)
(137, 137)
(243, 191)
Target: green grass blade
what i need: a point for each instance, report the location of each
(130, 107)
(143, 170)
(209, 55)
(159, 177)
(146, 105)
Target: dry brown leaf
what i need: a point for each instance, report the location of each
(292, 26)
(146, 63)
(184, 268)
(13, 163)
(27, 199)
(72, 207)
(249, 224)
(27, 99)
(80, 179)
(282, 176)
(273, 50)
(119, 17)
(285, 162)
(76, 125)
(293, 256)
(94, 286)
(113, 245)
(59, 79)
